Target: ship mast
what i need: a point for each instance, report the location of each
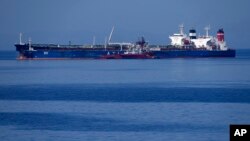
(207, 28)
(181, 29)
(20, 38)
(93, 41)
(30, 44)
(105, 43)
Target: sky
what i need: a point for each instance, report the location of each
(78, 21)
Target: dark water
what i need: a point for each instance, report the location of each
(121, 100)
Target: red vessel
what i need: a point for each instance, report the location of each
(128, 55)
(136, 52)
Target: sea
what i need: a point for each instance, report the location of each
(180, 99)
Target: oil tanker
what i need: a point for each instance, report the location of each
(181, 46)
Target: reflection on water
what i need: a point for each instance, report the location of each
(170, 99)
(124, 93)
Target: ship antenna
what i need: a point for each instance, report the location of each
(207, 28)
(181, 29)
(110, 36)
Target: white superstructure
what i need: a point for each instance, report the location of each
(202, 42)
(177, 38)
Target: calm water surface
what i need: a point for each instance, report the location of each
(121, 100)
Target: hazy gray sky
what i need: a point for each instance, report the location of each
(60, 21)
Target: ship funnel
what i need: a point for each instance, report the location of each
(192, 34)
(220, 35)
